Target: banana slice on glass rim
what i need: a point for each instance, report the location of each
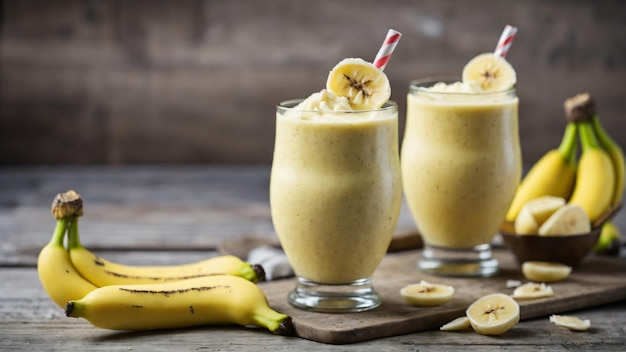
(365, 86)
(426, 294)
(533, 290)
(493, 314)
(492, 72)
(545, 271)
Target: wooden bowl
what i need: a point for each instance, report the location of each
(569, 250)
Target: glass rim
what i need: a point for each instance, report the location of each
(289, 105)
(420, 85)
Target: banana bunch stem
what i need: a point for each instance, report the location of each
(568, 146)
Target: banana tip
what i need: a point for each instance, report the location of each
(259, 271)
(286, 328)
(69, 308)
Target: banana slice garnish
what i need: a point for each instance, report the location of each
(533, 290)
(365, 86)
(426, 294)
(493, 314)
(570, 322)
(535, 212)
(570, 219)
(458, 324)
(491, 72)
(545, 271)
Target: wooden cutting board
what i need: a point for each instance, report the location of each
(596, 281)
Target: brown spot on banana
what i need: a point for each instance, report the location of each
(159, 278)
(167, 293)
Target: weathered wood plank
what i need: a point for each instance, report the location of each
(197, 82)
(30, 321)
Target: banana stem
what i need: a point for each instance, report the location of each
(603, 137)
(587, 137)
(59, 232)
(73, 240)
(568, 145)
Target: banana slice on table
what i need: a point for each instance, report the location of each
(493, 73)
(426, 294)
(533, 290)
(365, 86)
(545, 271)
(570, 219)
(458, 324)
(570, 322)
(493, 314)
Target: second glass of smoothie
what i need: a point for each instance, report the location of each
(335, 195)
(461, 164)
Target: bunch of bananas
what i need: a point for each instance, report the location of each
(595, 181)
(218, 290)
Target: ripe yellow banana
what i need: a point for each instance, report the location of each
(219, 299)
(102, 272)
(595, 179)
(617, 156)
(57, 274)
(553, 175)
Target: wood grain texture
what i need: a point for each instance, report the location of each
(133, 215)
(121, 82)
(597, 281)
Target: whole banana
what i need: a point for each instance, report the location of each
(102, 272)
(219, 299)
(582, 107)
(56, 273)
(617, 156)
(595, 179)
(553, 175)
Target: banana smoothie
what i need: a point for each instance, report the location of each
(461, 164)
(335, 192)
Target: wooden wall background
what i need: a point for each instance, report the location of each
(122, 82)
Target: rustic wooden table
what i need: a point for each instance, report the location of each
(145, 214)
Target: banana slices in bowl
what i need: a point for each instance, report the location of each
(548, 229)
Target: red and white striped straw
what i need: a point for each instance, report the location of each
(384, 54)
(506, 39)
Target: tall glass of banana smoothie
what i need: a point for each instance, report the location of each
(335, 189)
(461, 164)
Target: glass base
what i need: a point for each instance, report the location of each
(476, 261)
(356, 296)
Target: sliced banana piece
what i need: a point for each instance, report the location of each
(365, 86)
(570, 322)
(533, 290)
(543, 207)
(545, 271)
(525, 223)
(513, 283)
(491, 72)
(460, 323)
(426, 294)
(493, 314)
(570, 219)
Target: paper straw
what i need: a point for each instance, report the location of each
(384, 54)
(506, 39)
